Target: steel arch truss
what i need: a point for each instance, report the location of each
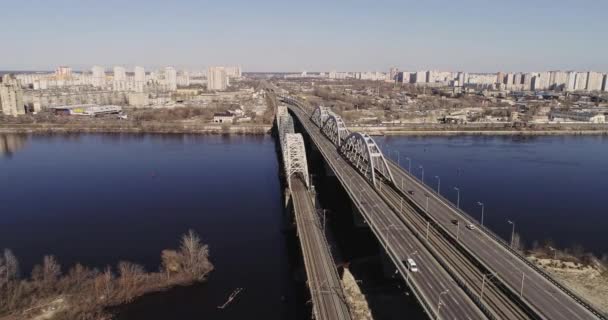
(335, 129)
(320, 115)
(284, 124)
(294, 157)
(365, 155)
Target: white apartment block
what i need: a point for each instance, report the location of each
(581, 81)
(11, 96)
(171, 78)
(217, 79)
(99, 76)
(594, 81)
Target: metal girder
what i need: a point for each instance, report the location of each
(294, 157)
(319, 115)
(363, 152)
(284, 124)
(335, 129)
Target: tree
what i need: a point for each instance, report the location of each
(131, 275)
(195, 253)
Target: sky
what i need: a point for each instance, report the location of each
(312, 35)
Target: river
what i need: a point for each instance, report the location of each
(101, 198)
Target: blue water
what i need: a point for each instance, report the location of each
(99, 199)
(553, 187)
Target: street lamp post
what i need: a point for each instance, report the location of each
(427, 202)
(512, 231)
(458, 198)
(439, 303)
(398, 158)
(409, 166)
(438, 184)
(457, 230)
(554, 253)
(482, 207)
(422, 168)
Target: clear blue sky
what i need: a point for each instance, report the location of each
(272, 35)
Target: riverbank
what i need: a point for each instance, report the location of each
(422, 129)
(141, 127)
(262, 129)
(589, 281)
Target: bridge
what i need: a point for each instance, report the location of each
(324, 283)
(464, 274)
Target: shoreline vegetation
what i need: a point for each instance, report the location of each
(194, 127)
(582, 272)
(83, 293)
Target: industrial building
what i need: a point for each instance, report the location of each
(92, 110)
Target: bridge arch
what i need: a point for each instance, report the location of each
(294, 157)
(320, 115)
(335, 129)
(365, 155)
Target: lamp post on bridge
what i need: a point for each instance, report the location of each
(422, 168)
(512, 232)
(409, 166)
(438, 184)
(458, 197)
(439, 303)
(482, 207)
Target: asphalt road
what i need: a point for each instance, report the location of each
(434, 287)
(549, 300)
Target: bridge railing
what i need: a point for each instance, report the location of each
(583, 302)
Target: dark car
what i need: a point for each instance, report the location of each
(410, 192)
(454, 221)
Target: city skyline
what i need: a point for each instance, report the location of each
(274, 36)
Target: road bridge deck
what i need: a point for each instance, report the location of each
(438, 293)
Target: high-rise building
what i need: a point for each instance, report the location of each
(235, 72)
(527, 80)
(120, 74)
(605, 85)
(571, 81)
(139, 79)
(594, 81)
(393, 72)
(171, 78)
(63, 73)
(420, 77)
(99, 76)
(581, 81)
(217, 79)
(11, 96)
(119, 82)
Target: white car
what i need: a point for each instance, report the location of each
(411, 265)
(470, 226)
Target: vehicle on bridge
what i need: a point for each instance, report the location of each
(411, 265)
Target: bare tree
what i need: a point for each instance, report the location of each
(195, 253)
(131, 275)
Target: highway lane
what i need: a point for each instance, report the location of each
(494, 299)
(540, 293)
(323, 280)
(432, 282)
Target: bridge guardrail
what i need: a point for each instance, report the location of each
(583, 302)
